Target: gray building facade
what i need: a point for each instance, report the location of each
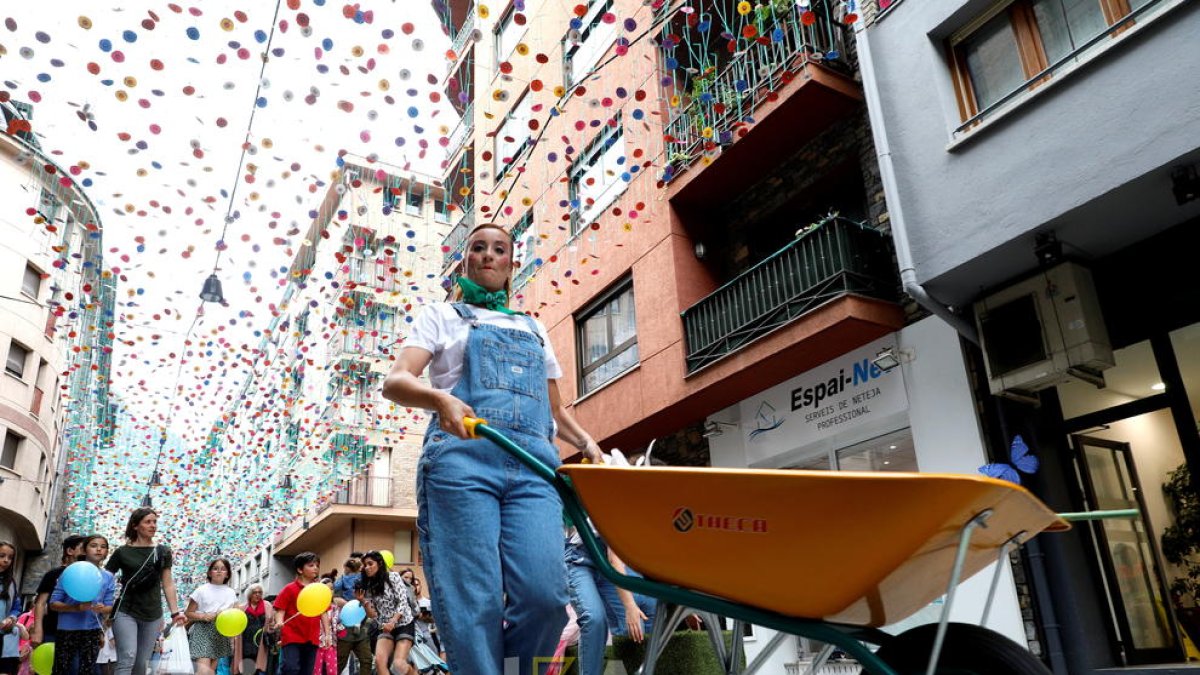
(1040, 159)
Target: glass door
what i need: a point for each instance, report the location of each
(1125, 551)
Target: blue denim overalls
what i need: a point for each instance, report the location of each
(490, 529)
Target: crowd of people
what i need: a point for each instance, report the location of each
(121, 630)
(501, 573)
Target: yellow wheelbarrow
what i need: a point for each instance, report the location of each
(904, 540)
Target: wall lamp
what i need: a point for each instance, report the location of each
(713, 428)
(889, 358)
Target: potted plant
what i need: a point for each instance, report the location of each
(1181, 547)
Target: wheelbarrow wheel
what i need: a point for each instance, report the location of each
(967, 649)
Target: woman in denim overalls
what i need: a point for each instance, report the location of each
(490, 529)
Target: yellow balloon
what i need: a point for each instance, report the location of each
(231, 622)
(388, 558)
(42, 658)
(314, 599)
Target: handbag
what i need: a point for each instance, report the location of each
(177, 654)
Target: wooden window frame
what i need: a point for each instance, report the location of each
(1031, 49)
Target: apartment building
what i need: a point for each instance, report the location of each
(333, 462)
(1039, 160)
(701, 225)
(56, 323)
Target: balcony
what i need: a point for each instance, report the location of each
(354, 502)
(834, 258)
(461, 133)
(360, 491)
(464, 31)
(452, 245)
(370, 275)
(363, 342)
(748, 112)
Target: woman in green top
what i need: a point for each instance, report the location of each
(145, 570)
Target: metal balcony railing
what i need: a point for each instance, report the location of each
(832, 259)
(722, 100)
(462, 132)
(361, 342)
(370, 274)
(464, 33)
(362, 491)
(454, 242)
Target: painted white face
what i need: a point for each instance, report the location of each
(489, 258)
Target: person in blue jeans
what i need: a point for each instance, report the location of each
(489, 528)
(601, 607)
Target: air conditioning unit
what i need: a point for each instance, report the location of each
(1043, 331)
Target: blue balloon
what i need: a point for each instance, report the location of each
(82, 581)
(352, 614)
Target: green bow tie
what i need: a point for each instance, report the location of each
(474, 294)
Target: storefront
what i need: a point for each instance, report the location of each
(1105, 590)
(913, 414)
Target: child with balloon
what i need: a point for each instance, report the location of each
(84, 593)
(297, 610)
(354, 637)
(205, 604)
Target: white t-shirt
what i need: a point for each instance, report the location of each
(213, 597)
(439, 330)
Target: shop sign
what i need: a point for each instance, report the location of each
(841, 395)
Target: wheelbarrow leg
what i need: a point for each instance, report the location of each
(766, 653)
(712, 626)
(736, 648)
(820, 659)
(1009, 545)
(666, 617)
(960, 559)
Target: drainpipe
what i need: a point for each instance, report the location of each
(908, 277)
(887, 174)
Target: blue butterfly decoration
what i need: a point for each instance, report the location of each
(1021, 458)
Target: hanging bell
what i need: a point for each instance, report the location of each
(212, 290)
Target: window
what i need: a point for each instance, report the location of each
(18, 354)
(598, 176)
(414, 201)
(440, 214)
(48, 205)
(588, 39)
(31, 282)
(508, 33)
(391, 194)
(1000, 53)
(12, 443)
(607, 338)
(525, 239)
(513, 135)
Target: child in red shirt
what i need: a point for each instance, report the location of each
(299, 634)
